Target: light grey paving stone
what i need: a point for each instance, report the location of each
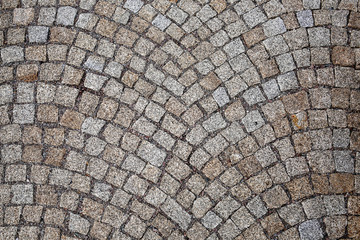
(94, 81)
(176, 213)
(205, 13)
(87, 4)
(102, 191)
(155, 197)
(133, 5)
(253, 96)
(121, 15)
(38, 34)
(310, 230)
(78, 224)
(175, 13)
(161, 22)
(285, 62)
(133, 163)
(271, 89)
(24, 113)
(149, 152)
(253, 121)
(92, 126)
(211, 220)
(6, 94)
(274, 27)
(136, 185)
(220, 96)
(95, 63)
(305, 18)
(319, 37)
(254, 17)
(12, 54)
(311, 4)
(314, 207)
(114, 69)
(276, 45)
(292, 214)
(334, 204)
(94, 146)
(287, 81)
(343, 161)
(22, 194)
(240, 63)
(341, 138)
(66, 16)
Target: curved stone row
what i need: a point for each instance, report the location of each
(181, 119)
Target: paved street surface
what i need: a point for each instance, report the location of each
(179, 119)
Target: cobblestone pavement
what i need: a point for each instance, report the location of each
(180, 119)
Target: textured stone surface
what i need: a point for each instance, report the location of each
(179, 119)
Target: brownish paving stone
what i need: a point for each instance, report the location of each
(213, 168)
(355, 141)
(54, 136)
(268, 68)
(340, 97)
(353, 227)
(259, 182)
(293, 5)
(272, 224)
(320, 183)
(27, 72)
(107, 109)
(46, 195)
(139, 25)
(249, 166)
(72, 76)
(281, 127)
(62, 35)
(32, 154)
(154, 34)
(275, 197)
(72, 119)
(354, 20)
(353, 120)
(129, 78)
(254, 231)
(218, 5)
(32, 213)
(343, 56)
(35, 53)
(341, 183)
(192, 115)
(210, 81)
(354, 205)
(299, 188)
(32, 135)
(54, 216)
(296, 102)
(100, 231)
(105, 8)
(355, 100)
(54, 156)
(106, 28)
(92, 208)
(307, 78)
(254, 36)
(335, 226)
(47, 113)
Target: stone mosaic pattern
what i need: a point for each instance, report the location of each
(180, 119)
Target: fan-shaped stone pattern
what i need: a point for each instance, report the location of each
(180, 119)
